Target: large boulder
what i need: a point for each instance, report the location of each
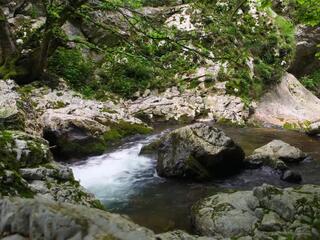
(266, 212)
(78, 127)
(198, 151)
(278, 155)
(276, 151)
(27, 169)
(289, 104)
(42, 219)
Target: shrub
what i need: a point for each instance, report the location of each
(312, 82)
(72, 66)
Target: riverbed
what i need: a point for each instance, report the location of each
(127, 183)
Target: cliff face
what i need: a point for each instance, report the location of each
(289, 105)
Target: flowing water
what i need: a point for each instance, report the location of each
(128, 184)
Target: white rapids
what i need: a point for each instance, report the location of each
(116, 175)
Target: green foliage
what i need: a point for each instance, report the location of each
(72, 66)
(128, 75)
(312, 82)
(257, 49)
(308, 12)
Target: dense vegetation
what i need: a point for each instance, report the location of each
(249, 42)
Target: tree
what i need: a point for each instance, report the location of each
(27, 66)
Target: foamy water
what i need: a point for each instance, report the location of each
(116, 175)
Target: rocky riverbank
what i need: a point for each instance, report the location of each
(223, 63)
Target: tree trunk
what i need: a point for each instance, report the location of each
(46, 44)
(25, 69)
(8, 47)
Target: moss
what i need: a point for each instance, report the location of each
(291, 126)
(66, 148)
(15, 186)
(151, 148)
(59, 104)
(124, 129)
(11, 71)
(35, 152)
(108, 237)
(96, 145)
(97, 204)
(197, 168)
(228, 122)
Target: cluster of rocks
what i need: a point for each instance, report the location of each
(201, 151)
(75, 126)
(189, 105)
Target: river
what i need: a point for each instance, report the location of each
(128, 183)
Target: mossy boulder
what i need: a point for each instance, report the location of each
(198, 151)
(16, 110)
(77, 140)
(150, 148)
(11, 116)
(27, 169)
(18, 149)
(266, 212)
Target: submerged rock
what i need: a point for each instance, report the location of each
(290, 176)
(313, 129)
(277, 155)
(266, 212)
(198, 151)
(42, 219)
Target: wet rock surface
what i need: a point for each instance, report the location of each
(198, 151)
(278, 155)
